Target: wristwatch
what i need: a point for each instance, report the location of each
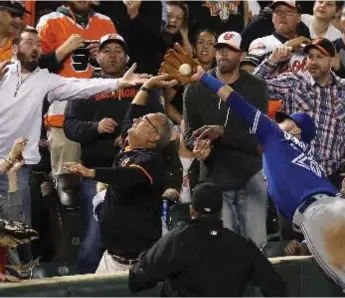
(142, 88)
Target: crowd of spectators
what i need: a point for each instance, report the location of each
(82, 87)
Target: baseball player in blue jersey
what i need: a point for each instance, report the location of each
(296, 182)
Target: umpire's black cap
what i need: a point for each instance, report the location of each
(207, 199)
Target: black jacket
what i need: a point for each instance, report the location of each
(235, 157)
(82, 117)
(130, 216)
(205, 259)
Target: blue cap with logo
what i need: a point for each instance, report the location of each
(303, 121)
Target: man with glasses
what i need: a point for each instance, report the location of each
(286, 18)
(95, 124)
(130, 216)
(11, 18)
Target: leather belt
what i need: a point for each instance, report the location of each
(307, 202)
(122, 260)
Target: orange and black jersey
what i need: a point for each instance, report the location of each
(130, 216)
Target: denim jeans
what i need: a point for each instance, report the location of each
(23, 184)
(23, 181)
(90, 249)
(245, 211)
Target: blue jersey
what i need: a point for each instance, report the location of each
(291, 171)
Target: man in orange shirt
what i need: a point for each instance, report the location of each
(75, 20)
(11, 15)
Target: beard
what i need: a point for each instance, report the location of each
(28, 63)
(226, 65)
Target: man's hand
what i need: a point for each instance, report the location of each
(297, 44)
(210, 132)
(75, 41)
(79, 169)
(293, 248)
(171, 194)
(132, 8)
(280, 55)
(17, 149)
(160, 82)
(3, 68)
(93, 49)
(202, 149)
(131, 79)
(106, 125)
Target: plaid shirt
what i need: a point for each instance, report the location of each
(326, 105)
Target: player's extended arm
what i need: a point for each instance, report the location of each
(259, 124)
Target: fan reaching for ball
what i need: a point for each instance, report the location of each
(179, 65)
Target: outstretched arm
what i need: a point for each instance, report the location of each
(259, 123)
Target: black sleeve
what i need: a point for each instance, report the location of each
(162, 259)
(258, 27)
(135, 111)
(78, 124)
(142, 172)
(147, 25)
(190, 115)
(50, 62)
(264, 275)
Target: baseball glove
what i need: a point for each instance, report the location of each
(173, 61)
(13, 233)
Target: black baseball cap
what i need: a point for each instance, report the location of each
(207, 199)
(15, 6)
(325, 46)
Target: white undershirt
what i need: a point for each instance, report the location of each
(185, 195)
(332, 32)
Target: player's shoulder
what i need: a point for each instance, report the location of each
(50, 17)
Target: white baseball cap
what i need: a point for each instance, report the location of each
(113, 38)
(231, 39)
(291, 4)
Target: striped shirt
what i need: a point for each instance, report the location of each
(300, 93)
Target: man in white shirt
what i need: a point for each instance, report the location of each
(23, 87)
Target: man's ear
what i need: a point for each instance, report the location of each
(154, 138)
(243, 55)
(192, 212)
(14, 50)
(97, 57)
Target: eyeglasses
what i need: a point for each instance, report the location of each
(288, 13)
(149, 121)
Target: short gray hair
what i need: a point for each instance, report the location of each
(165, 131)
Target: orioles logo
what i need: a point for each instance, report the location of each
(125, 162)
(223, 9)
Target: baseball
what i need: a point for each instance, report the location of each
(185, 69)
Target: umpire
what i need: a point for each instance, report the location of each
(204, 258)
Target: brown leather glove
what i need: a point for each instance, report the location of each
(173, 61)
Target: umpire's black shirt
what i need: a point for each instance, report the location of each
(130, 216)
(205, 259)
